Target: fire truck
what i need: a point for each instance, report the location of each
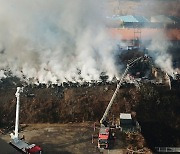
(103, 138)
(19, 143)
(106, 134)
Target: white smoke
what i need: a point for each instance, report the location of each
(158, 49)
(160, 43)
(2, 75)
(156, 7)
(55, 41)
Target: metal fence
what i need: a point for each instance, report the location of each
(167, 149)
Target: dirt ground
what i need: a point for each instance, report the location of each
(59, 138)
(71, 138)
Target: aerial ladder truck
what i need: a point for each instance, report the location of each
(19, 143)
(105, 134)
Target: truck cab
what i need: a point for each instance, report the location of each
(33, 149)
(103, 138)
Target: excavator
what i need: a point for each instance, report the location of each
(105, 133)
(19, 143)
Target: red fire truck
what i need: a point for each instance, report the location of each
(105, 133)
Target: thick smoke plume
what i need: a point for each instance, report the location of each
(160, 43)
(158, 50)
(55, 41)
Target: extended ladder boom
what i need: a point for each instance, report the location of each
(15, 135)
(117, 89)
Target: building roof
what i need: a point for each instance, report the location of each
(125, 116)
(141, 19)
(129, 18)
(175, 19)
(161, 19)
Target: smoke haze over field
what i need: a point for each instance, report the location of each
(55, 41)
(61, 40)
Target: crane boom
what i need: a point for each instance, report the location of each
(117, 89)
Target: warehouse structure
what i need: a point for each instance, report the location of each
(134, 21)
(160, 21)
